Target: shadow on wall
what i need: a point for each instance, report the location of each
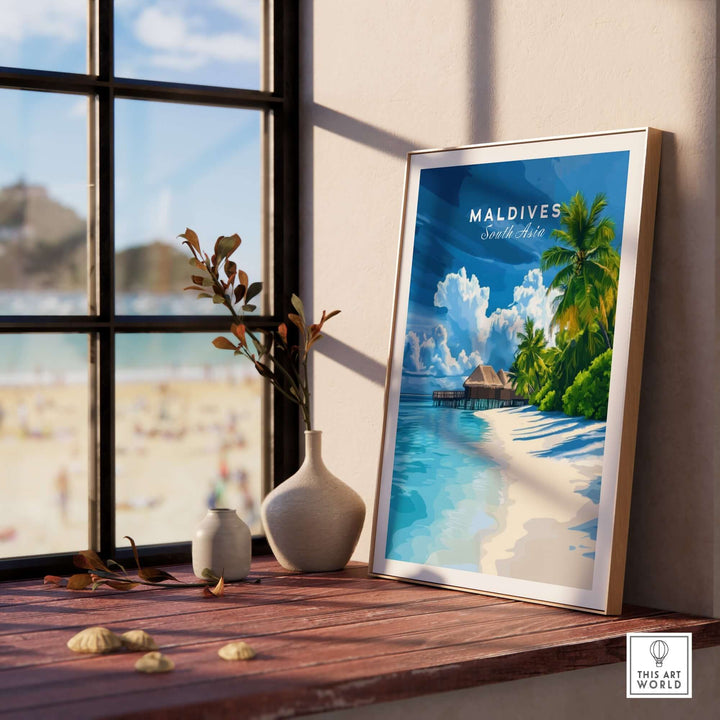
(479, 53)
(349, 357)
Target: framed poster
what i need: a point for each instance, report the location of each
(515, 364)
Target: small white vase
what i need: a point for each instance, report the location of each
(222, 543)
(313, 520)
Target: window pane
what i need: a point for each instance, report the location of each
(188, 436)
(44, 34)
(43, 203)
(181, 166)
(189, 41)
(43, 443)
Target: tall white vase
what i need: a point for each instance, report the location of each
(313, 520)
(222, 543)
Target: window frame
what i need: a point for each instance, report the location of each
(281, 424)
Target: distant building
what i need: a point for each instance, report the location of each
(483, 389)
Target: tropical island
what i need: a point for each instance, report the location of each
(573, 375)
(523, 463)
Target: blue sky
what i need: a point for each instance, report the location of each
(177, 166)
(474, 282)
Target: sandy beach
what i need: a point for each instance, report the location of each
(181, 445)
(551, 466)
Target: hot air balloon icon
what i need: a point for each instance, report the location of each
(659, 650)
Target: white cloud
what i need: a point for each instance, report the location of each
(246, 10)
(531, 299)
(161, 226)
(79, 108)
(183, 41)
(430, 355)
(471, 335)
(64, 20)
(467, 304)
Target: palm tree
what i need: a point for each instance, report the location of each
(589, 267)
(529, 369)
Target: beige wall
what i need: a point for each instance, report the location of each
(382, 77)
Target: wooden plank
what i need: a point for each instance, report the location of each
(224, 620)
(319, 685)
(324, 641)
(288, 650)
(77, 610)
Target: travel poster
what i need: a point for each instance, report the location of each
(501, 392)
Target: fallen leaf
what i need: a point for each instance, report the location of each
(155, 575)
(120, 584)
(89, 560)
(79, 581)
(216, 591)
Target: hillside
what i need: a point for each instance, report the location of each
(43, 246)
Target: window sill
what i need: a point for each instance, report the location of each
(324, 642)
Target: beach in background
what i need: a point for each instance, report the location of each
(551, 466)
(186, 439)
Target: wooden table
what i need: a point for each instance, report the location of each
(324, 641)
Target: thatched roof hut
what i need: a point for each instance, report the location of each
(485, 383)
(483, 389)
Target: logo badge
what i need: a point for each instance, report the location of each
(659, 665)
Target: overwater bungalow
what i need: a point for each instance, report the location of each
(483, 389)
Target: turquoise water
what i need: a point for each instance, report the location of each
(44, 358)
(447, 498)
(444, 491)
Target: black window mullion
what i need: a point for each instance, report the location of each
(286, 448)
(103, 514)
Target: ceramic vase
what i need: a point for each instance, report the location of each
(313, 520)
(222, 543)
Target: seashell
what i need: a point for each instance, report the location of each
(236, 651)
(94, 640)
(138, 640)
(154, 662)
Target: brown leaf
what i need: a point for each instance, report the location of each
(216, 591)
(230, 269)
(194, 287)
(89, 560)
(119, 584)
(222, 343)
(226, 246)
(330, 314)
(312, 341)
(240, 292)
(242, 278)
(155, 575)
(191, 239)
(264, 370)
(296, 320)
(134, 550)
(55, 580)
(282, 331)
(79, 581)
(239, 332)
(253, 290)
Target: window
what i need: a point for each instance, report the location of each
(123, 124)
